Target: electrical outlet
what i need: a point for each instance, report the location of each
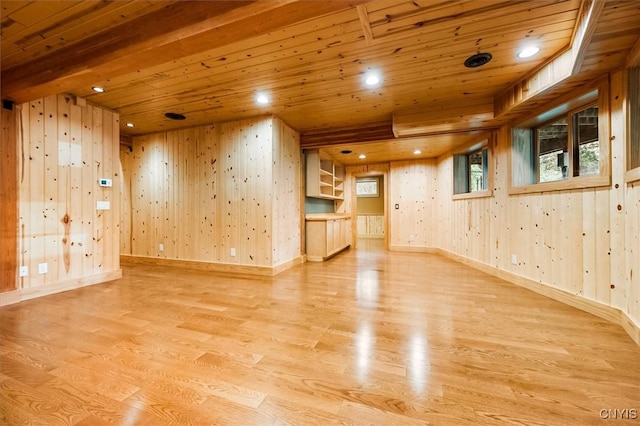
(24, 271)
(160, 247)
(43, 268)
(233, 252)
(412, 238)
(514, 259)
(103, 205)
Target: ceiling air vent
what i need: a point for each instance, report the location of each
(174, 116)
(477, 60)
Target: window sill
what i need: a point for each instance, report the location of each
(563, 185)
(632, 175)
(470, 195)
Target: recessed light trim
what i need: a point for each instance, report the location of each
(346, 151)
(98, 89)
(528, 52)
(417, 152)
(477, 60)
(362, 156)
(130, 125)
(174, 116)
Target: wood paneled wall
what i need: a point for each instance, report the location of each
(64, 147)
(584, 242)
(287, 200)
(203, 191)
(412, 186)
(8, 200)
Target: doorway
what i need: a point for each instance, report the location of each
(370, 211)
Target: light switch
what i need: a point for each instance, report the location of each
(43, 268)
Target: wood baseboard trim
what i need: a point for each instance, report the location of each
(20, 295)
(288, 265)
(413, 249)
(268, 271)
(598, 309)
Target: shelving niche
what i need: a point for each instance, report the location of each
(325, 177)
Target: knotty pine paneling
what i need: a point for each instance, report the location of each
(287, 179)
(63, 150)
(584, 242)
(203, 191)
(8, 200)
(412, 186)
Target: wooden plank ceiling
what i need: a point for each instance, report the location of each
(208, 61)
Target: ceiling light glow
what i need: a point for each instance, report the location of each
(98, 89)
(262, 99)
(372, 78)
(528, 52)
(417, 152)
(362, 156)
(130, 125)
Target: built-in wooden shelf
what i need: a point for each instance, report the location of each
(325, 177)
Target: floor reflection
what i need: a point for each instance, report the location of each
(418, 364)
(367, 288)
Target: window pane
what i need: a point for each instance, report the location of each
(367, 188)
(585, 125)
(553, 145)
(476, 171)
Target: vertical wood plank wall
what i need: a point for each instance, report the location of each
(8, 201)
(287, 178)
(202, 191)
(64, 149)
(584, 242)
(412, 185)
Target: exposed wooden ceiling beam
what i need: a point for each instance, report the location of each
(364, 21)
(352, 134)
(442, 119)
(176, 31)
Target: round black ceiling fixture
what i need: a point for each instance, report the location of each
(477, 60)
(346, 151)
(174, 116)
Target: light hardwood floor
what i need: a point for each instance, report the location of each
(369, 337)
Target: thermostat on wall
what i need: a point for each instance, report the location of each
(105, 182)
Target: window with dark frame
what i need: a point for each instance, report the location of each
(577, 131)
(471, 171)
(561, 148)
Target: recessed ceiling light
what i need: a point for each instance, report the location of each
(98, 89)
(528, 52)
(346, 151)
(262, 99)
(362, 156)
(417, 152)
(131, 125)
(372, 78)
(174, 116)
